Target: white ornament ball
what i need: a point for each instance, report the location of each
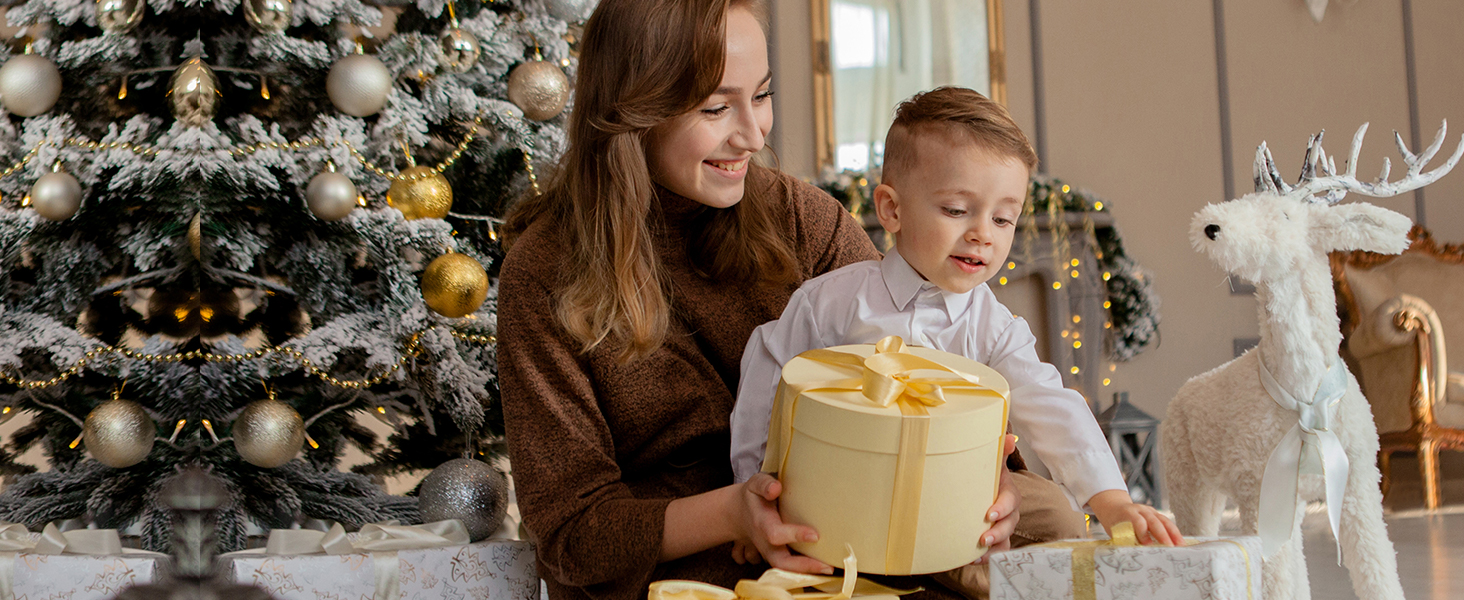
(572, 11)
(358, 85)
(29, 85)
(56, 196)
(331, 196)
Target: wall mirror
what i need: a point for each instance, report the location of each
(870, 54)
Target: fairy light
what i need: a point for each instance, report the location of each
(1108, 325)
(209, 426)
(1057, 285)
(1074, 274)
(1074, 370)
(1066, 333)
(313, 445)
(1106, 275)
(1075, 262)
(1066, 188)
(1002, 281)
(1107, 381)
(1077, 319)
(1077, 344)
(1107, 304)
(1011, 266)
(381, 409)
(76, 442)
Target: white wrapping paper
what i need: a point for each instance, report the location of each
(1207, 569)
(491, 569)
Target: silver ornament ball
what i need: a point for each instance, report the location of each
(470, 491)
(268, 433)
(331, 196)
(56, 196)
(358, 85)
(571, 11)
(268, 16)
(29, 85)
(459, 50)
(540, 88)
(119, 16)
(118, 433)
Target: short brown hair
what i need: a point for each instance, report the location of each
(953, 111)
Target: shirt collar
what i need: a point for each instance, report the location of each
(904, 284)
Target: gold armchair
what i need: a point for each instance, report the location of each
(1397, 312)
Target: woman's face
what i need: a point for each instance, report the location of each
(704, 154)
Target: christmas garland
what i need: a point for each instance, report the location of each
(1133, 305)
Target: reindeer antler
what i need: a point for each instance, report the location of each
(1332, 187)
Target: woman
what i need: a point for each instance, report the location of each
(631, 287)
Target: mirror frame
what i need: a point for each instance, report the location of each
(823, 74)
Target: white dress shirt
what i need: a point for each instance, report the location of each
(864, 302)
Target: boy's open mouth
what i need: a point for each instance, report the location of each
(969, 264)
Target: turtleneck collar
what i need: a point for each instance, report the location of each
(675, 208)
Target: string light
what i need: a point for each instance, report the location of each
(1107, 381)
(1077, 344)
(1106, 275)
(1057, 285)
(1074, 274)
(1077, 319)
(1011, 266)
(1075, 262)
(1107, 304)
(1074, 370)
(1002, 281)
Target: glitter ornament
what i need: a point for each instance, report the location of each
(420, 193)
(268, 433)
(470, 491)
(118, 433)
(539, 88)
(454, 285)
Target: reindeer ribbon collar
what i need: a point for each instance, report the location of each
(1310, 439)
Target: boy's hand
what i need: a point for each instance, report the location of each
(1115, 506)
(1003, 513)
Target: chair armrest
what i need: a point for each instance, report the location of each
(1407, 319)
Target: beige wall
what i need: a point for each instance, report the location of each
(1133, 114)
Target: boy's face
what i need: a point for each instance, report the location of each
(954, 213)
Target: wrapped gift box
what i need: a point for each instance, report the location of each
(1206, 568)
(496, 569)
(906, 484)
(78, 577)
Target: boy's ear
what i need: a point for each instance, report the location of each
(886, 205)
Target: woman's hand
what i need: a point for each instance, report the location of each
(1003, 514)
(762, 534)
(1115, 506)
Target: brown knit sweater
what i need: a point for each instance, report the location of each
(599, 448)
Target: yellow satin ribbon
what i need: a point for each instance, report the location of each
(884, 378)
(777, 584)
(381, 540)
(1085, 567)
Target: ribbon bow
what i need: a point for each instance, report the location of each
(886, 376)
(1085, 567)
(777, 584)
(382, 540)
(1310, 439)
(15, 538)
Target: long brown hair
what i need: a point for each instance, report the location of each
(643, 63)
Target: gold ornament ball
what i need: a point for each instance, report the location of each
(119, 16)
(268, 16)
(454, 285)
(29, 85)
(539, 88)
(118, 433)
(268, 433)
(420, 193)
(193, 93)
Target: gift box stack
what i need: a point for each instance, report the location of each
(427, 562)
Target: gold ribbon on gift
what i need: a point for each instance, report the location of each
(15, 538)
(777, 584)
(381, 540)
(1085, 566)
(885, 377)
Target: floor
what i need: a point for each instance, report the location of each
(1430, 546)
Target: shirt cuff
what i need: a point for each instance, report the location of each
(1086, 474)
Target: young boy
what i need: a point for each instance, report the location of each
(954, 181)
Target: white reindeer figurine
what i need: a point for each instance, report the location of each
(1286, 422)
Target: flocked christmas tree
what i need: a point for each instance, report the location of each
(218, 235)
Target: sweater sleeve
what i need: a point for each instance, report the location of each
(591, 531)
(827, 236)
